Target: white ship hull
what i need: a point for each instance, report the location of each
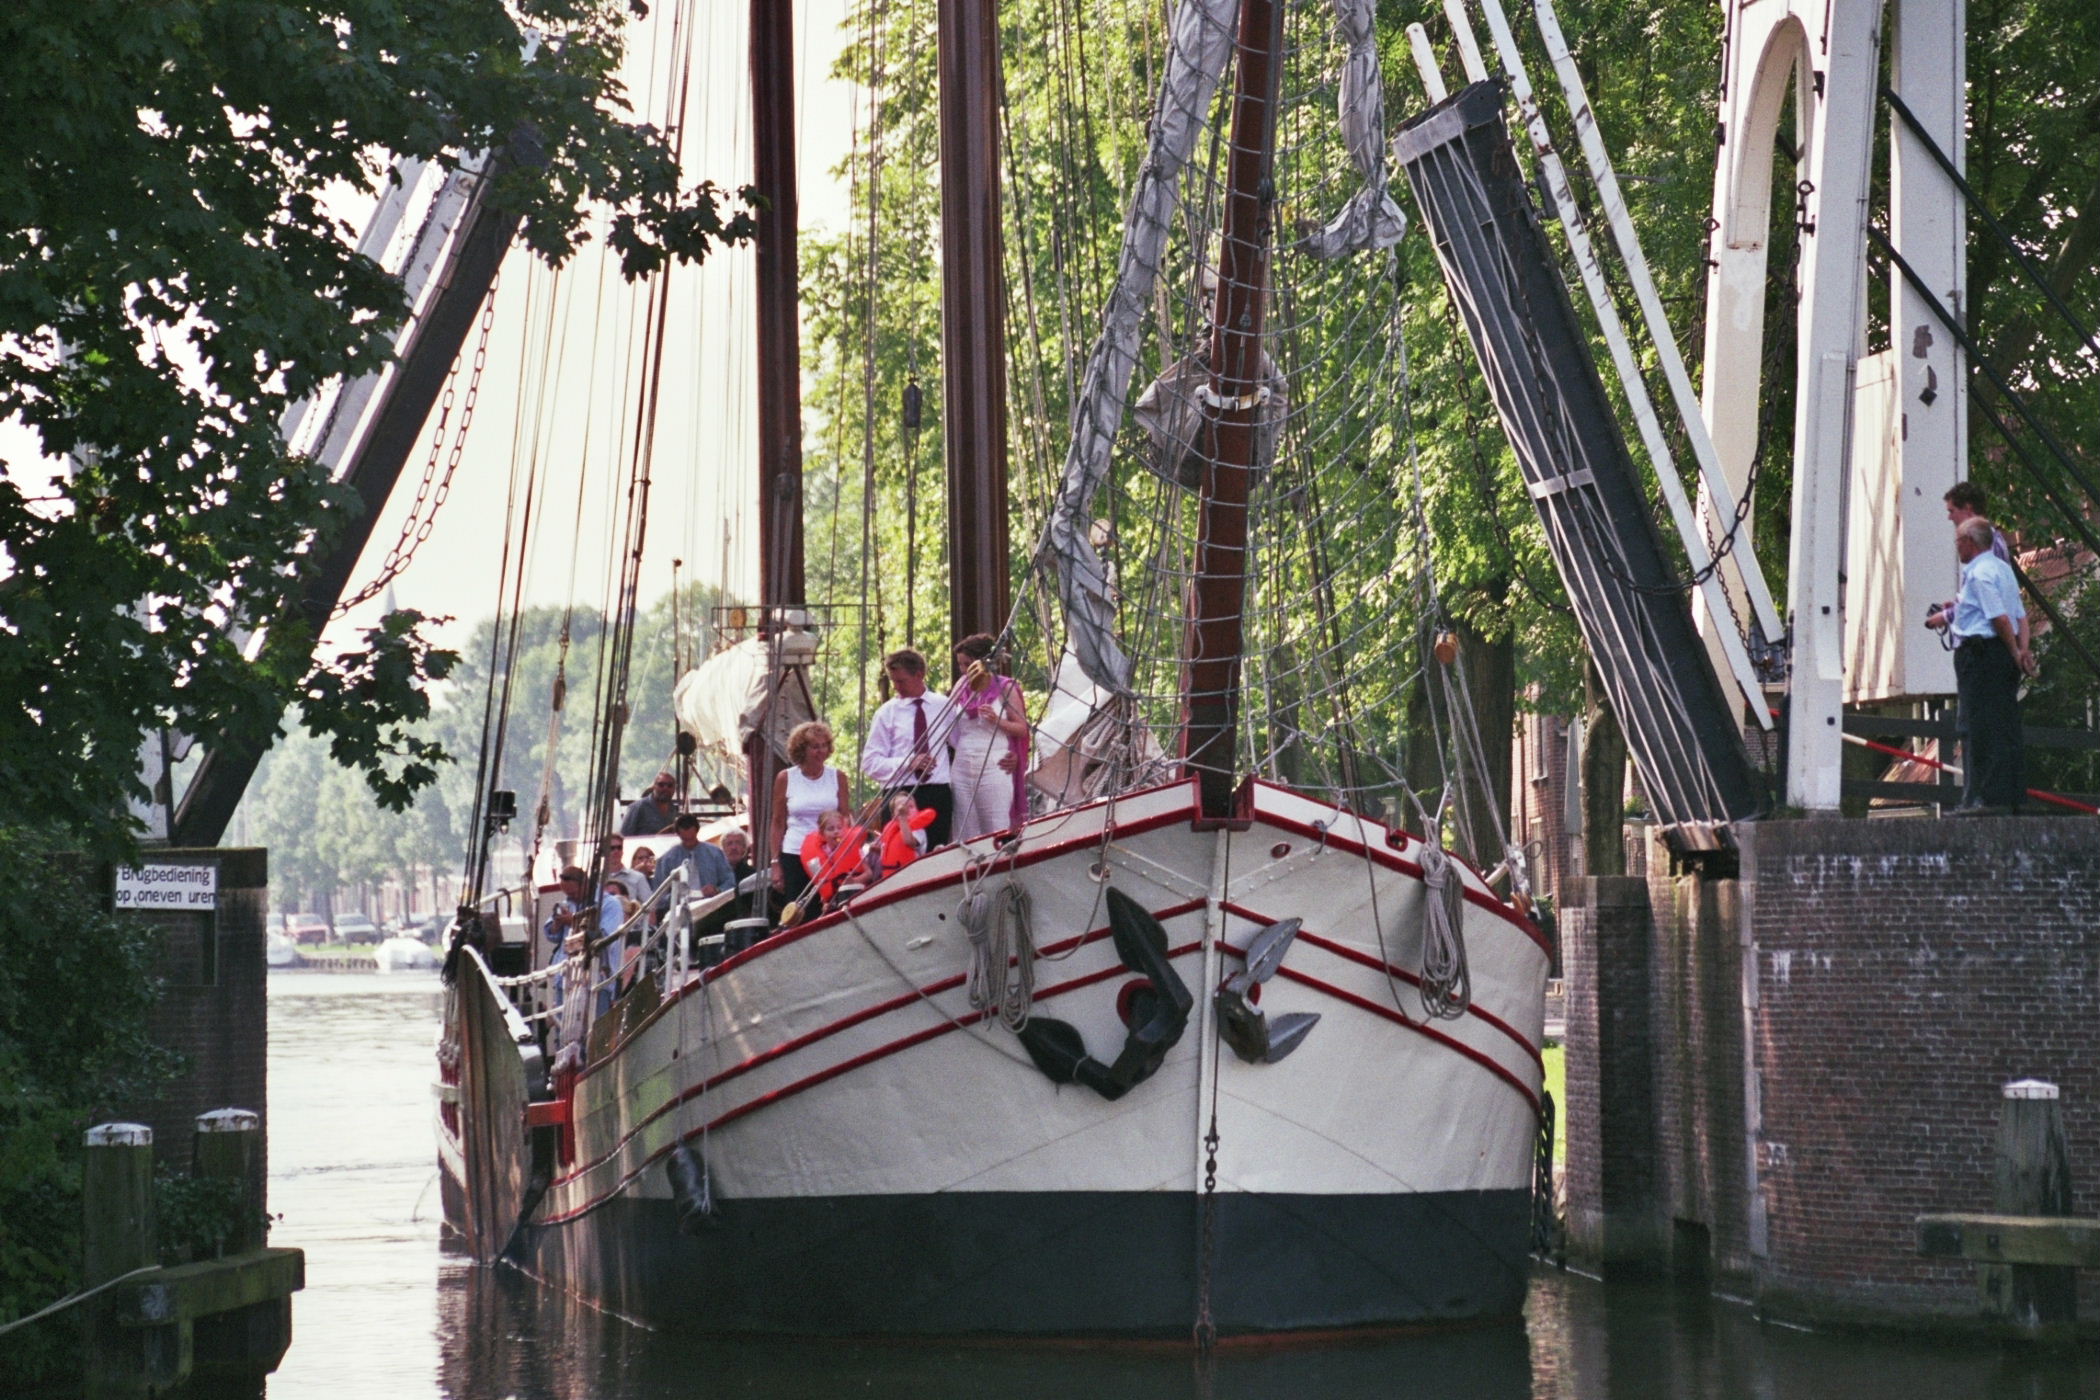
(888, 1159)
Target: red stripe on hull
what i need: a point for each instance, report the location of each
(866, 1057)
(1405, 867)
(972, 1018)
(1398, 1018)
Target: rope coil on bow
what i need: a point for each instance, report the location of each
(998, 926)
(1447, 983)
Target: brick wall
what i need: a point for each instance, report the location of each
(1538, 786)
(1884, 978)
(213, 1007)
(1610, 1114)
(1904, 971)
(1696, 995)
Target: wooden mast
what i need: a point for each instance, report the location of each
(779, 327)
(779, 356)
(973, 318)
(1210, 733)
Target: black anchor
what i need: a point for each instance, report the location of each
(1159, 1012)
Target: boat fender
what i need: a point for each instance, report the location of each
(538, 1080)
(1156, 1011)
(692, 1191)
(1241, 1021)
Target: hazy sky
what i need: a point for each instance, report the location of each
(564, 366)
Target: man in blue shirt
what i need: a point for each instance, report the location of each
(707, 870)
(653, 812)
(571, 928)
(1990, 653)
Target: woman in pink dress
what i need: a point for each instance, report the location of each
(989, 742)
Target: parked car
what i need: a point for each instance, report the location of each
(356, 928)
(306, 929)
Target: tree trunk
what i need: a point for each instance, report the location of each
(1420, 762)
(1603, 781)
(1491, 684)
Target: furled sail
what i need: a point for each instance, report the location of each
(1201, 42)
(1172, 410)
(741, 691)
(1370, 219)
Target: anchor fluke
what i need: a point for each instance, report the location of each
(1243, 1025)
(1265, 952)
(1057, 1047)
(692, 1190)
(1288, 1033)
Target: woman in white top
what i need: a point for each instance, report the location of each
(990, 742)
(802, 794)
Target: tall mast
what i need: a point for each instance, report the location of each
(779, 327)
(1210, 733)
(779, 359)
(973, 318)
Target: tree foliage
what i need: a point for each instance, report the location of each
(172, 280)
(75, 986)
(173, 276)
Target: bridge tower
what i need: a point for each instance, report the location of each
(1878, 437)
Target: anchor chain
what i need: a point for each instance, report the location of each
(1206, 1332)
(432, 493)
(1545, 1220)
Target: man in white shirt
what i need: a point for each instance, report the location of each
(907, 748)
(1990, 653)
(1966, 501)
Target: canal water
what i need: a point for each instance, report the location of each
(388, 1314)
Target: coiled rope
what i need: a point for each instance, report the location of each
(1002, 952)
(1447, 984)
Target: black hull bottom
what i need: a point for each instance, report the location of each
(1048, 1263)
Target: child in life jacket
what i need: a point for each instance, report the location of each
(904, 837)
(832, 853)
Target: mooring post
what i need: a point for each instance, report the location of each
(118, 1237)
(2033, 1177)
(227, 1146)
(245, 1341)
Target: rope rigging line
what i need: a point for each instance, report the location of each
(631, 517)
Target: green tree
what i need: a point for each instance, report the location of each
(75, 986)
(171, 281)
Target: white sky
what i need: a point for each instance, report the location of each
(587, 320)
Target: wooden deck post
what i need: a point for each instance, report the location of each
(117, 1237)
(2033, 1177)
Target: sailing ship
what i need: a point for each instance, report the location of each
(1184, 1051)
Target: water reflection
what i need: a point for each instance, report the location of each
(496, 1325)
(388, 1315)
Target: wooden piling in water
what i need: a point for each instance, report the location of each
(250, 1339)
(226, 1317)
(2032, 1177)
(118, 1236)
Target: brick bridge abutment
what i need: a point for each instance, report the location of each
(1769, 1077)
